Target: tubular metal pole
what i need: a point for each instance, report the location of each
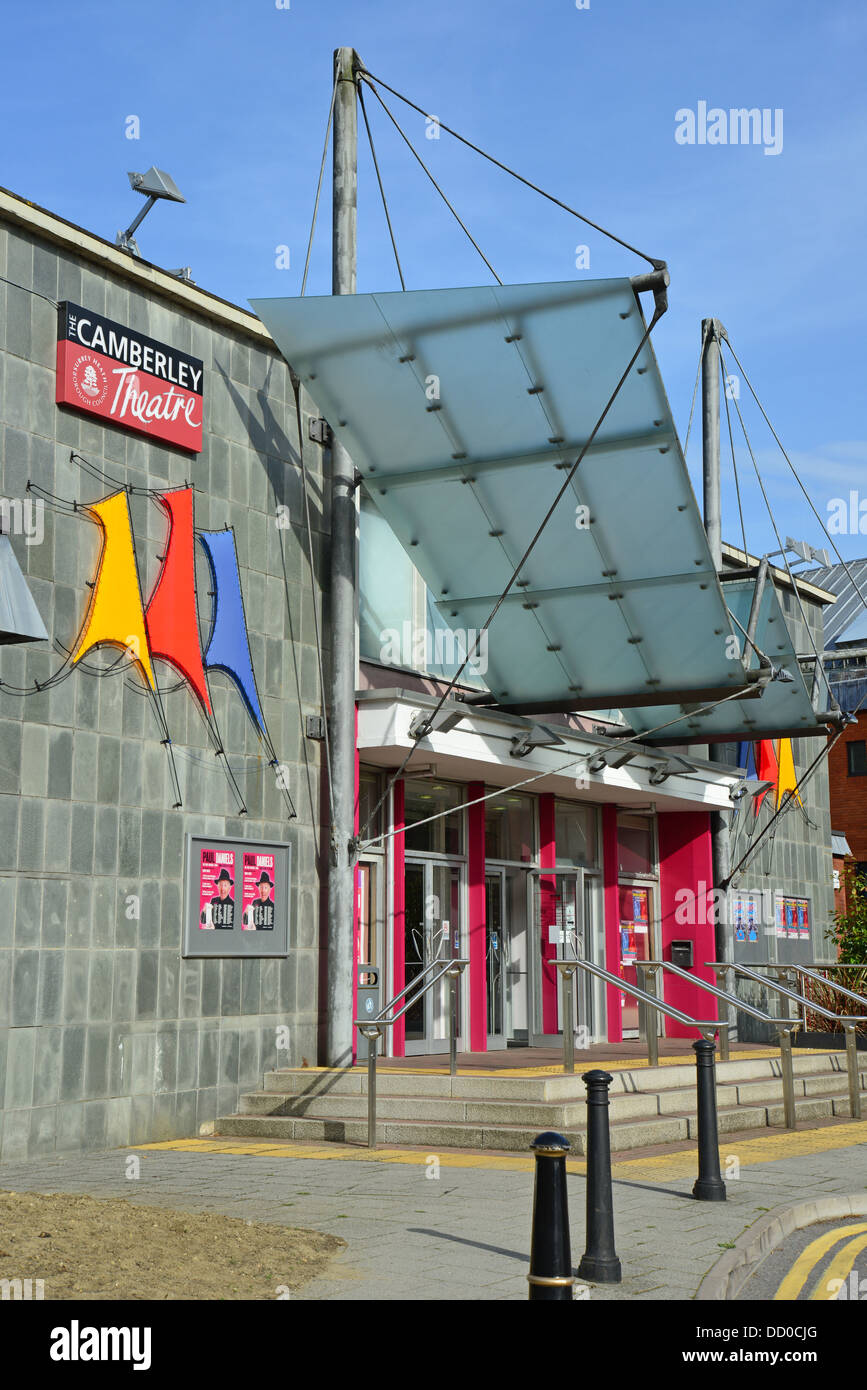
(343, 596)
(372, 1045)
(724, 1044)
(651, 1018)
(453, 1026)
(712, 330)
(568, 1033)
(854, 1075)
(789, 1114)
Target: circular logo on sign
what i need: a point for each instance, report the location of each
(368, 1005)
(89, 379)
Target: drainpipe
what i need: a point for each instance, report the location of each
(343, 594)
(712, 331)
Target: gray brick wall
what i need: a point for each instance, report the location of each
(108, 1037)
(795, 858)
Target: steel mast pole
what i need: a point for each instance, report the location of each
(712, 331)
(343, 594)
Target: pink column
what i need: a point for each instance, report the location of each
(476, 925)
(398, 945)
(356, 883)
(612, 920)
(686, 910)
(548, 910)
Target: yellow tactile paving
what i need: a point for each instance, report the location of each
(809, 1258)
(768, 1148)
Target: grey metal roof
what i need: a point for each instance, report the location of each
(839, 843)
(840, 616)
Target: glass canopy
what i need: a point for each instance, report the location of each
(463, 409)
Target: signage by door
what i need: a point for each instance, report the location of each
(111, 371)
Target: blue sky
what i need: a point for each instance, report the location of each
(232, 101)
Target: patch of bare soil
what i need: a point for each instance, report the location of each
(95, 1248)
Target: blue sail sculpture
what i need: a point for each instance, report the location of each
(228, 647)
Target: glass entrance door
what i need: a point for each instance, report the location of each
(572, 930)
(433, 931)
(495, 957)
(636, 932)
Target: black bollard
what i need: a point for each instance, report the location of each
(709, 1186)
(599, 1261)
(550, 1274)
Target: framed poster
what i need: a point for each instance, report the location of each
(236, 898)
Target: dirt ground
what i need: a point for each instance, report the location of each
(89, 1248)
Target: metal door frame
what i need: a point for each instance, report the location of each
(498, 1042)
(428, 1045)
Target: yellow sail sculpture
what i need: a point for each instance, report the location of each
(116, 615)
(787, 778)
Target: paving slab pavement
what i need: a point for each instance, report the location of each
(460, 1229)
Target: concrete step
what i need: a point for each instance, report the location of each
(433, 1133)
(551, 1115)
(649, 1105)
(308, 1081)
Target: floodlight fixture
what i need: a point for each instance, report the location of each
(153, 185)
(536, 737)
(749, 786)
(423, 723)
(808, 553)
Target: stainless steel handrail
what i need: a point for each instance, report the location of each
(706, 1026)
(785, 1029)
(848, 1022)
(811, 972)
(373, 1028)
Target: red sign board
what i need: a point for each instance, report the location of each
(133, 381)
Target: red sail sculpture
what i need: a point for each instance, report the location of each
(171, 616)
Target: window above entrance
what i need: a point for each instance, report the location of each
(429, 798)
(575, 834)
(510, 828)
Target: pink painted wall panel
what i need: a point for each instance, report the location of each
(685, 863)
(612, 920)
(548, 910)
(476, 924)
(398, 942)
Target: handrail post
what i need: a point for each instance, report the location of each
(789, 1113)
(854, 1074)
(567, 974)
(722, 982)
(709, 1186)
(648, 978)
(725, 1040)
(372, 1044)
(453, 977)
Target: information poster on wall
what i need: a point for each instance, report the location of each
(258, 892)
(744, 917)
(793, 918)
(237, 898)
